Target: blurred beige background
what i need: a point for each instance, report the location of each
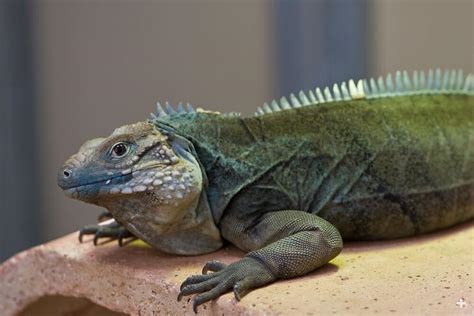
(101, 64)
(420, 34)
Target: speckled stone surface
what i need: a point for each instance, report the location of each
(429, 275)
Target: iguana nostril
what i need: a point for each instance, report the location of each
(67, 173)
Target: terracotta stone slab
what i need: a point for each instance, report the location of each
(431, 275)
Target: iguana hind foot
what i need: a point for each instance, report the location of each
(239, 277)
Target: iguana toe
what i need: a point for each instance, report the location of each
(241, 288)
(195, 279)
(87, 230)
(104, 216)
(213, 266)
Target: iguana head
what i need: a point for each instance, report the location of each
(148, 179)
(133, 160)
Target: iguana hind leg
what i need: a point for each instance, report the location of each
(112, 230)
(284, 244)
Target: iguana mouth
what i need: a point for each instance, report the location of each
(148, 179)
(124, 176)
(74, 191)
(110, 180)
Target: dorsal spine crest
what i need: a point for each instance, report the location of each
(401, 84)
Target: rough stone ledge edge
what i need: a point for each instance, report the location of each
(47, 281)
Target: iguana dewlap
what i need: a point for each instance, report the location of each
(380, 159)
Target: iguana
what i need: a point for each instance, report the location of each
(379, 159)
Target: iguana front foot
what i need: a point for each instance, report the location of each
(112, 230)
(240, 277)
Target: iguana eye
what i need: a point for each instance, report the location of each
(119, 150)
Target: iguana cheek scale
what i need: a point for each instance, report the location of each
(379, 159)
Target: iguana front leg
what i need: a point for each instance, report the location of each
(285, 244)
(110, 229)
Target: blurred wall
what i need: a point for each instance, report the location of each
(421, 34)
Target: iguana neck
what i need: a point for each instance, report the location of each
(191, 233)
(195, 234)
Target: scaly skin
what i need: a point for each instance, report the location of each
(283, 186)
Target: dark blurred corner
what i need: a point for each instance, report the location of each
(18, 179)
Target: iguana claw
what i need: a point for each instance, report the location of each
(213, 266)
(112, 230)
(240, 277)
